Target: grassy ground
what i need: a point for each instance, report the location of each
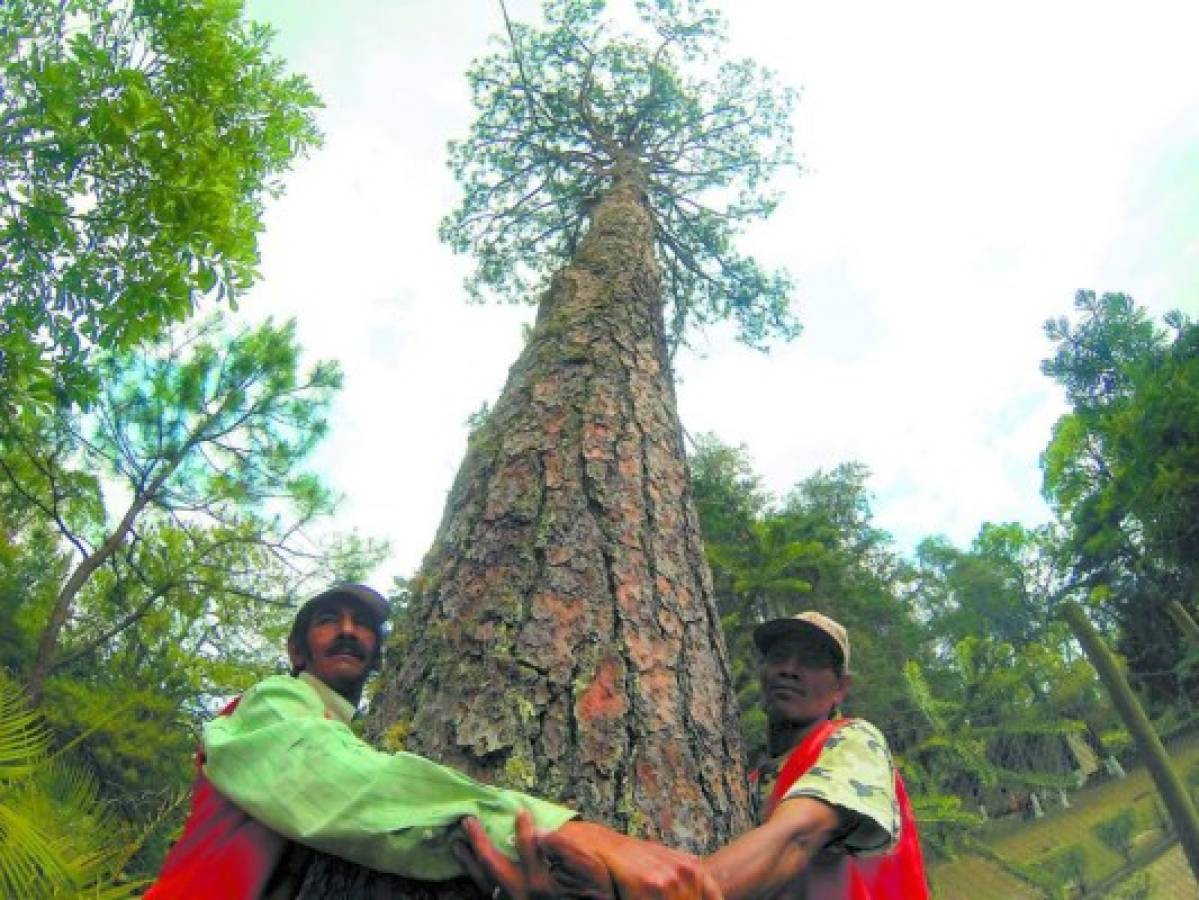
(974, 878)
(1171, 877)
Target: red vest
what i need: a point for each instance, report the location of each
(896, 875)
(222, 853)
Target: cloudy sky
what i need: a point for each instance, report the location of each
(969, 166)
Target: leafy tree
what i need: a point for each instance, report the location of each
(1007, 684)
(1122, 472)
(198, 444)
(575, 112)
(138, 141)
(988, 718)
(728, 493)
(1005, 585)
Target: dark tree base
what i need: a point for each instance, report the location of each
(329, 878)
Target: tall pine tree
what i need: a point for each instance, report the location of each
(563, 637)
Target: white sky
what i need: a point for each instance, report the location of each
(969, 166)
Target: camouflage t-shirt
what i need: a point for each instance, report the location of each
(854, 773)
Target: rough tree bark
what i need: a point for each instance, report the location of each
(565, 640)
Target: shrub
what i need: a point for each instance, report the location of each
(1138, 887)
(1068, 864)
(1118, 831)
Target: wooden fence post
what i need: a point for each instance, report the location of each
(1169, 785)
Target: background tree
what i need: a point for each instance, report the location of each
(1003, 585)
(138, 141)
(157, 545)
(564, 635)
(1122, 473)
(58, 839)
(204, 439)
(990, 722)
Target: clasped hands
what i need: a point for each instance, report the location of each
(581, 860)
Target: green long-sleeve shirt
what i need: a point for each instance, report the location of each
(287, 757)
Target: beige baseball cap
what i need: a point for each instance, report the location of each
(769, 632)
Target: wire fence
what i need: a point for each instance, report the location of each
(1083, 847)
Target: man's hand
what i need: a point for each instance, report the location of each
(640, 869)
(582, 859)
(568, 872)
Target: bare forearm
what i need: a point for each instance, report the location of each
(763, 862)
(755, 871)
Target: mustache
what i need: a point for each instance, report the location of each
(789, 683)
(346, 645)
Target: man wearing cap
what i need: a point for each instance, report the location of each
(280, 773)
(833, 816)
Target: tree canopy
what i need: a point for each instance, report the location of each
(138, 141)
(198, 441)
(1122, 470)
(158, 544)
(568, 110)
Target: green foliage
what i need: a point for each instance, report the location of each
(32, 566)
(1138, 887)
(571, 110)
(1002, 585)
(1118, 831)
(1122, 472)
(728, 494)
(1068, 863)
(987, 724)
(199, 441)
(138, 142)
(56, 838)
(945, 825)
(220, 420)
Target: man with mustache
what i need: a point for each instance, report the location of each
(834, 822)
(280, 774)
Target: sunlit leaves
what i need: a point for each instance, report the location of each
(138, 141)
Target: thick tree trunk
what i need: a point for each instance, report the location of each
(565, 640)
